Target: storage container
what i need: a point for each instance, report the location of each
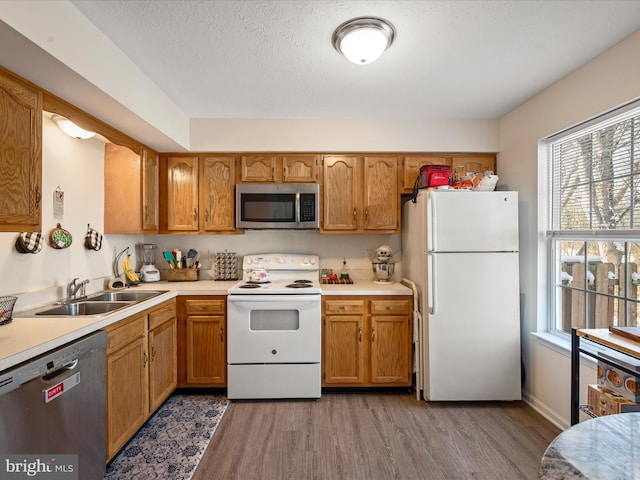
(602, 402)
(618, 381)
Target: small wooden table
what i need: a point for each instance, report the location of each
(599, 448)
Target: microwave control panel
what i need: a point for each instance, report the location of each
(307, 207)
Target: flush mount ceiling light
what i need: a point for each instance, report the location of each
(71, 129)
(362, 40)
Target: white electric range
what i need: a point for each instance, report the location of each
(273, 328)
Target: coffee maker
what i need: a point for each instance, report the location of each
(148, 270)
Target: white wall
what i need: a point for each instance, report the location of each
(602, 84)
(342, 135)
(77, 167)
(331, 248)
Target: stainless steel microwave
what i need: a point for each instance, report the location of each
(278, 205)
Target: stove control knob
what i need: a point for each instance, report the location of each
(305, 261)
(312, 261)
(280, 259)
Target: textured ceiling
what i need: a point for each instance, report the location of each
(274, 59)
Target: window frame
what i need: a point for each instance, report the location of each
(553, 238)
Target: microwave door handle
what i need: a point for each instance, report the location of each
(297, 208)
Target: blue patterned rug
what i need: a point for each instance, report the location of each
(171, 443)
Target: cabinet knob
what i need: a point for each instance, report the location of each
(360, 335)
(221, 334)
(373, 334)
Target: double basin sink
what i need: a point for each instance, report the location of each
(99, 303)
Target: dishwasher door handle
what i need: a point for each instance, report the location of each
(64, 368)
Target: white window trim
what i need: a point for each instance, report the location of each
(545, 263)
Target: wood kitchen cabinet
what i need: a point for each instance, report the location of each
(162, 336)
(20, 155)
(131, 182)
(474, 162)
(127, 381)
(360, 194)
(217, 194)
(367, 341)
(279, 168)
(460, 163)
(141, 370)
(150, 190)
(181, 199)
(198, 194)
(411, 165)
(202, 354)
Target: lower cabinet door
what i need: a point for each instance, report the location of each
(163, 375)
(343, 350)
(206, 350)
(127, 394)
(390, 349)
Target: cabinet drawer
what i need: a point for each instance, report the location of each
(161, 314)
(206, 307)
(344, 306)
(389, 307)
(125, 332)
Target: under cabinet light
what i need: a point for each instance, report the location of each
(71, 129)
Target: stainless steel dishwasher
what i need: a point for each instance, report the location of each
(56, 404)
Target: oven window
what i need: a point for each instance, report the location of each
(274, 320)
(268, 207)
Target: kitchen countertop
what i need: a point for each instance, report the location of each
(29, 336)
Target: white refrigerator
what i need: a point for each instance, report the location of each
(460, 249)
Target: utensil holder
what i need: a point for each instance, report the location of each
(181, 274)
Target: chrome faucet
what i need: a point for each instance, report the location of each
(73, 288)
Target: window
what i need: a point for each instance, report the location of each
(594, 231)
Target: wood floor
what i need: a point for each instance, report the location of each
(376, 436)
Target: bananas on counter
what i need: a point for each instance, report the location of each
(132, 276)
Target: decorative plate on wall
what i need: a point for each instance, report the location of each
(59, 237)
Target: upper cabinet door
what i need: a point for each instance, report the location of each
(150, 183)
(340, 193)
(182, 194)
(258, 169)
(217, 212)
(472, 163)
(20, 155)
(381, 197)
(412, 165)
(300, 168)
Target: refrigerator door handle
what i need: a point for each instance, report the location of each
(431, 287)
